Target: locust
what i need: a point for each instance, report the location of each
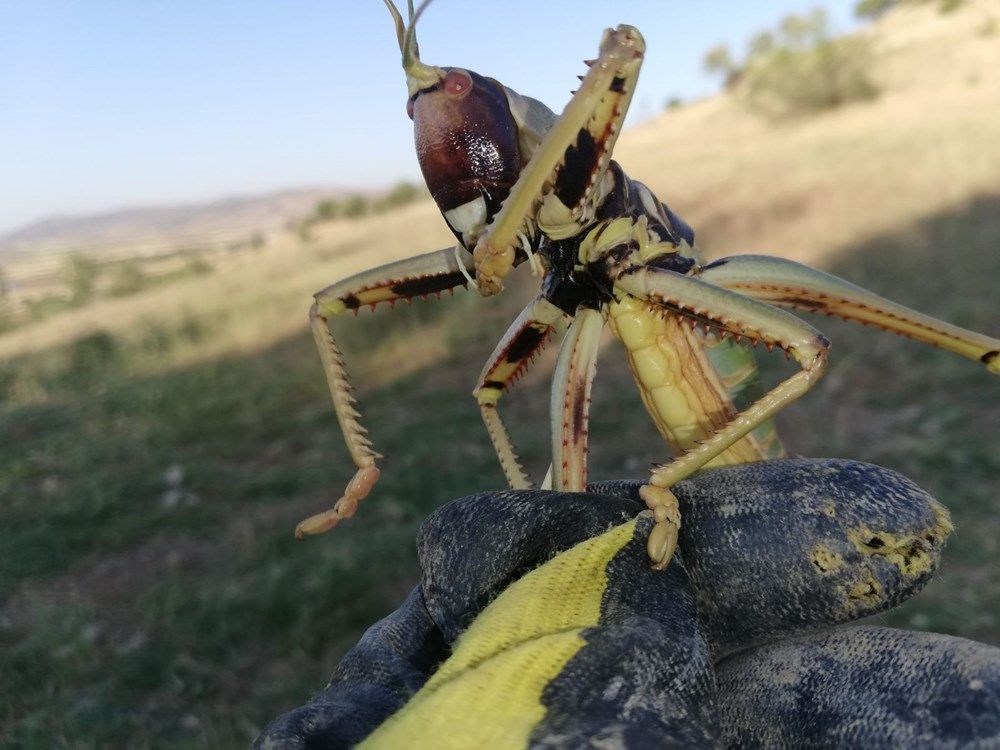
(518, 184)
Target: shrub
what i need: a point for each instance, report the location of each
(402, 194)
(80, 276)
(872, 9)
(797, 68)
(7, 320)
(719, 60)
(196, 266)
(41, 308)
(304, 231)
(327, 210)
(91, 356)
(127, 278)
(791, 82)
(356, 206)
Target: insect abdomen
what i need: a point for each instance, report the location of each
(680, 387)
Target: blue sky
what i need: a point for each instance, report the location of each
(111, 104)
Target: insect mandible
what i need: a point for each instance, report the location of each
(518, 184)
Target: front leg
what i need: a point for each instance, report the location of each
(797, 286)
(559, 182)
(733, 314)
(431, 273)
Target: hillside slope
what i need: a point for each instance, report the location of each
(805, 188)
(132, 231)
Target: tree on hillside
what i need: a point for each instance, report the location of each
(719, 61)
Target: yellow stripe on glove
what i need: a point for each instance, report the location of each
(488, 693)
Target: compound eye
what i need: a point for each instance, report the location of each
(457, 83)
(409, 108)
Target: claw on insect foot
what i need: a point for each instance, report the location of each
(357, 490)
(662, 540)
(661, 544)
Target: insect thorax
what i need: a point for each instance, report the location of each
(630, 227)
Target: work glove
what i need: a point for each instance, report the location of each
(539, 623)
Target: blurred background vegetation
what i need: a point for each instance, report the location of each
(165, 420)
(797, 69)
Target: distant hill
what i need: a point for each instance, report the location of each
(149, 229)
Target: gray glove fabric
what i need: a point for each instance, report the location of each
(731, 646)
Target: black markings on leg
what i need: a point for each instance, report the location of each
(426, 284)
(578, 427)
(525, 343)
(672, 262)
(574, 177)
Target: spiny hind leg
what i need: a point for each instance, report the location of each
(793, 285)
(430, 273)
(522, 342)
(559, 184)
(733, 314)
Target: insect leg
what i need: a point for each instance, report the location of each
(733, 314)
(431, 273)
(522, 342)
(558, 184)
(570, 405)
(797, 286)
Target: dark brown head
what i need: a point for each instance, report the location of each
(467, 146)
(466, 136)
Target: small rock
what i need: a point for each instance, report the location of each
(171, 498)
(174, 475)
(191, 722)
(137, 641)
(91, 632)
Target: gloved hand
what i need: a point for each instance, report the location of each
(539, 623)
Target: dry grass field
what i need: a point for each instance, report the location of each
(158, 449)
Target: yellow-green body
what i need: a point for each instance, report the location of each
(678, 383)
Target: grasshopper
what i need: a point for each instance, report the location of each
(518, 184)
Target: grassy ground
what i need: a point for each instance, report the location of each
(155, 595)
(157, 451)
